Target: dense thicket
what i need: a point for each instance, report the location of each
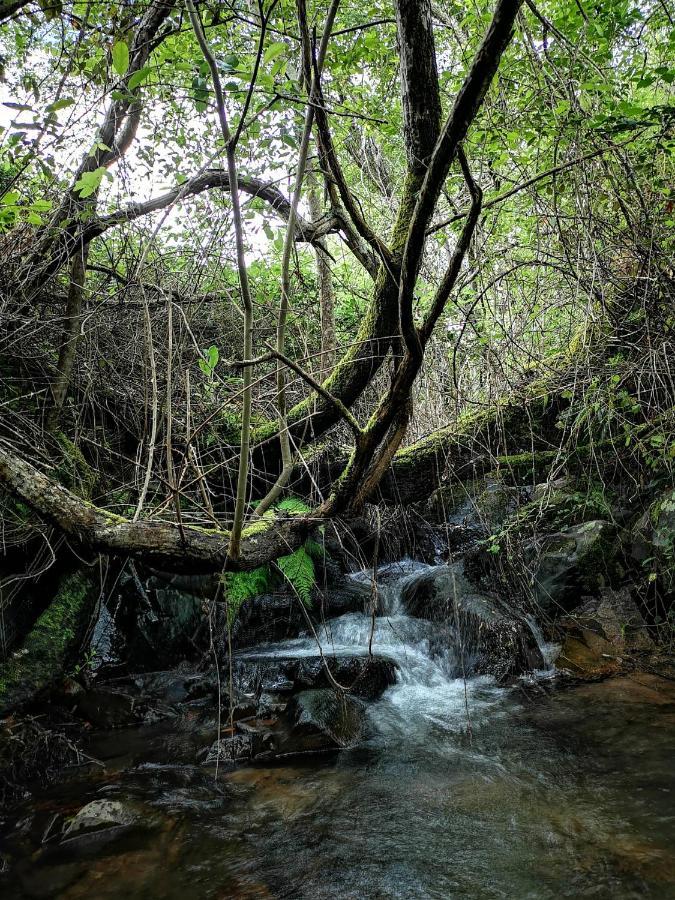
(343, 251)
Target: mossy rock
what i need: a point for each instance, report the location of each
(581, 560)
(52, 644)
(653, 542)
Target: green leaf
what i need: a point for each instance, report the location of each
(138, 77)
(89, 182)
(242, 586)
(274, 50)
(120, 57)
(60, 104)
(293, 505)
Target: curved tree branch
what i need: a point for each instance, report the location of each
(212, 179)
(164, 544)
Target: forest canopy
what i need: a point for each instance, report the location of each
(265, 263)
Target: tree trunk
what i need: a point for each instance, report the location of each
(69, 339)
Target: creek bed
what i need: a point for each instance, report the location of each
(461, 788)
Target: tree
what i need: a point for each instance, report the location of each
(451, 182)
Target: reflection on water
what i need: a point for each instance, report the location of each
(461, 790)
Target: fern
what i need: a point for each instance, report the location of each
(293, 505)
(316, 550)
(298, 570)
(242, 586)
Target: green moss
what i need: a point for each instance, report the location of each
(73, 470)
(256, 528)
(52, 643)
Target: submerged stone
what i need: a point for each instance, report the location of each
(324, 719)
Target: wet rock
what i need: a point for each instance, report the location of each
(243, 746)
(489, 640)
(570, 564)
(107, 708)
(365, 676)
(471, 510)
(323, 719)
(652, 541)
(432, 594)
(160, 621)
(346, 596)
(266, 619)
(479, 633)
(276, 617)
(602, 634)
(102, 814)
(271, 704)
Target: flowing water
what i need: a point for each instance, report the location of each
(462, 789)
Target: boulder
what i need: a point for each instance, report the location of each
(603, 634)
(102, 814)
(570, 564)
(473, 509)
(432, 594)
(100, 823)
(345, 596)
(267, 619)
(52, 645)
(653, 541)
(278, 616)
(159, 621)
(475, 629)
(243, 746)
(365, 676)
(487, 639)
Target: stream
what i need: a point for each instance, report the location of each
(459, 788)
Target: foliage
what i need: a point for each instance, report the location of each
(292, 505)
(298, 571)
(242, 586)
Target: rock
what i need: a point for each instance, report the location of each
(347, 595)
(231, 749)
(266, 619)
(52, 645)
(578, 561)
(475, 628)
(160, 623)
(251, 740)
(490, 640)
(653, 541)
(365, 676)
(323, 719)
(601, 633)
(542, 492)
(102, 814)
(276, 617)
(106, 708)
(431, 594)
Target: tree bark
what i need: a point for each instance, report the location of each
(70, 337)
(159, 543)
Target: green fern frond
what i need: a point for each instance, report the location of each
(242, 586)
(298, 570)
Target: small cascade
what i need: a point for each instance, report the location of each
(548, 649)
(435, 683)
